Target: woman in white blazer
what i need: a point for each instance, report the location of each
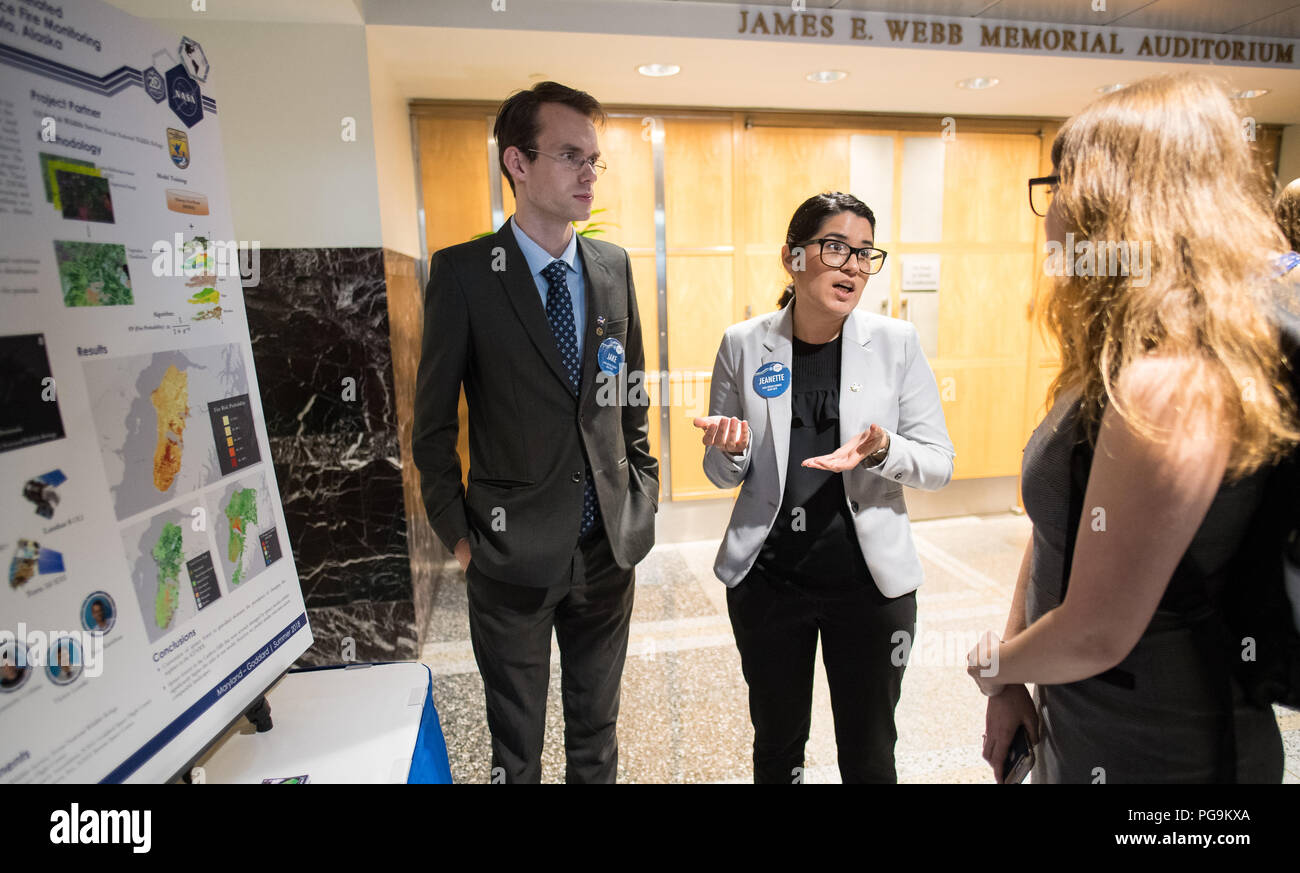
(822, 413)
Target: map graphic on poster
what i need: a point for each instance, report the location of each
(151, 420)
(245, 528)
(158, 551)
(134, 465)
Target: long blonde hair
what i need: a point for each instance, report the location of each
(1165, 161)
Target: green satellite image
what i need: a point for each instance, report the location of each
(93, 274)
(168, 555)
(241, 512)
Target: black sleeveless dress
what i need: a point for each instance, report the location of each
(1166, 728)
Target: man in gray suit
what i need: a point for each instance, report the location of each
(534, 321)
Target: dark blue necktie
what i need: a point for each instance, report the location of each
(559, 310)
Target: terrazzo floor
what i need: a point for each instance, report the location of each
(684, 714)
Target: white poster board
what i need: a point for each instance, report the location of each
(150, 593)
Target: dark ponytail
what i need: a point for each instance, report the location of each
(808, 218)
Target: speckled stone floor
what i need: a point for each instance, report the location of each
(684, 715)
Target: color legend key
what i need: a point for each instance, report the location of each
(233, 433)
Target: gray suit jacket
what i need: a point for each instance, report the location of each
(485, 329)
(885, 380)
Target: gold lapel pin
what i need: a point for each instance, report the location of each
(855, 387)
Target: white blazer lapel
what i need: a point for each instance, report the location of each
(855, 372)
(778, 343)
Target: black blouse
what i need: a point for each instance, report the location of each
(812, 541)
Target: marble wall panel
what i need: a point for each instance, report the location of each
(336, 376)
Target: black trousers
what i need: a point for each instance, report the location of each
(777, 622)
(510, 628)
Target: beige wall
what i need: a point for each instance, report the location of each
(394, 161)
(729, 190)
(282, 90)
(1288, 162)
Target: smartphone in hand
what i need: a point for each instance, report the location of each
(1019, 760)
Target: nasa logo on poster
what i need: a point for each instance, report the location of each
(184, 97)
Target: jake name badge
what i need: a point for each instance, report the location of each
(610, 356)
(772, 379)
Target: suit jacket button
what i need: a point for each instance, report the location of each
(854, 506)
(576, 477)
(898, 475)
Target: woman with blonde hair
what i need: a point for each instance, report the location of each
(1173, 384)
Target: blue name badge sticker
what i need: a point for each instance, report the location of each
(610, 356)
(772, 379)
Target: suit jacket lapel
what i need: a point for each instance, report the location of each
(779, 345)
(855, 367)
(522, 291)
(598, 284)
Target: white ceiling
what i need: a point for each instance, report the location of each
(1280, 18)
(279, 11)
(467, 64)
(486, 63)
(1255, 17)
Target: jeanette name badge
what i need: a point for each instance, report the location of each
(610, 356)
(771, 379)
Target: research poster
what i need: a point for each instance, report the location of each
(149, 592)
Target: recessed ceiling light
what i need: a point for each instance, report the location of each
(659, 70)
(1112, 88)
(978, 83)
(824, 76)
(1250, 95)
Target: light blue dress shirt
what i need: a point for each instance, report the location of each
(539, 259)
